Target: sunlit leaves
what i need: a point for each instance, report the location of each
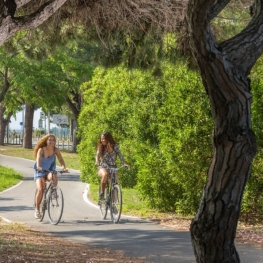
(163, 126)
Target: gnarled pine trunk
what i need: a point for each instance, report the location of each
(224, 69)
(214, 227)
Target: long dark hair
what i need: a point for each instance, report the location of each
(102, 148)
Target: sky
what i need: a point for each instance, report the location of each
(15, 123)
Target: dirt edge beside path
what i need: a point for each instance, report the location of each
(22, 244)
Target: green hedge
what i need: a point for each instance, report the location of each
(157, 122)
(163, 126)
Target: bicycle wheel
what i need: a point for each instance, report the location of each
(104, 204)
(43, 206)
(116, 203)
(55, 205)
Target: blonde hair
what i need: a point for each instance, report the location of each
(42, 143)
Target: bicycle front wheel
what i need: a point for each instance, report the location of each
(116, 203)
(55, 205)
(103, 204)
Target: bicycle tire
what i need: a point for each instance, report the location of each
(103, 204)
(55, 205)
(116, 203)
(43, 206)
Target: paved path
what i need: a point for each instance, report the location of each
(81, 222)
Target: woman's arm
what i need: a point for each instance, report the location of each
(97, 163)
(118, 151)
(61, 160)
(38, 161)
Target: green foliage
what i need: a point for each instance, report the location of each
(232, 20)
(253, 197)
(163, 127)
(184, 151)
(162, 121)
(38, 132)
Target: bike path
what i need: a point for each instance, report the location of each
(81, 222)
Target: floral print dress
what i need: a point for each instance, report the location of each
(109, 159)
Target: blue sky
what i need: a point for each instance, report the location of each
(15, 123)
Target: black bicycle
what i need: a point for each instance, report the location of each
(113, 196)
(52, 201)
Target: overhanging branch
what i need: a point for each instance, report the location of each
(247, 54)
(9, 25)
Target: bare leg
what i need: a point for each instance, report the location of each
(55, 178)
(104, 175)
(40, 183)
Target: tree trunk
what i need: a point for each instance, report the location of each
(3, 122)
(28, 126)
(75, 108)
(224, 69)
(6, 85)
(214, 227)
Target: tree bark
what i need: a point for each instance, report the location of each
(28, 126)
(10, 24)
(3, 122)
(224, 69)
(75, 107)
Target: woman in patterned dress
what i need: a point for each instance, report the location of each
(107, 152)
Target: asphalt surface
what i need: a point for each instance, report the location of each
(81, 222)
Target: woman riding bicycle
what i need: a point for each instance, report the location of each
(107, 152)
(45, 152)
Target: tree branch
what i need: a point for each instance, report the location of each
(247, 54)
(10, 25)
(20, 3)
(217, 7)
(5, 86)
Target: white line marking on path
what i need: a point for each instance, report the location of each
(12, 187)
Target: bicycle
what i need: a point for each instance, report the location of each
(113, 196)
(52, 201)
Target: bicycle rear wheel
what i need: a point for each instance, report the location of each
(116, 203)
(103, 204)
(43, 206)
(55, 205)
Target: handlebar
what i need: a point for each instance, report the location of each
(114, 170)
(55, 172)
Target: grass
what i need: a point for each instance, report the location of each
(71, 159)
(132, 204)
(8, 177)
